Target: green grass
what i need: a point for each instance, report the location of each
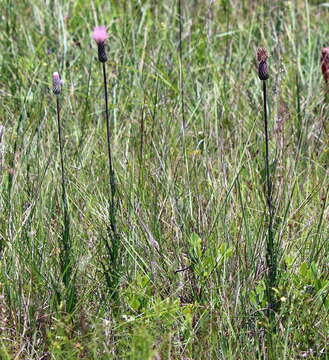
(192, 212)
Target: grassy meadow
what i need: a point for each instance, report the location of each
(185, 275)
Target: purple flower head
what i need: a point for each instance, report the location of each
(100, 34)
(57, 83)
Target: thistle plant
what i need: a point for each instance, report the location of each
(100, 35)
(65, 253)
(263, 75)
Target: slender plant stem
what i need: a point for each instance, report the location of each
(141, 149)
(11, 176)
(227, 15)
(109, 153)
(61, 149)
(66, 228)
(141, 145)
(181, 79)
(111, 271)
(107, 118)
(2, 130)
(299, 114)
(270, 251)
(65, 256)
(182, 98)
(112, 230)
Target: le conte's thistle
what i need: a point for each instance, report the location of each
(111, 270)
(325, 63)
(100, 35)
(262, 57)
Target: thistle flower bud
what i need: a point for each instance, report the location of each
(101, 52)
(263, 70)
(325, 64)
(100, 35)
(262, 57)
(57, 83)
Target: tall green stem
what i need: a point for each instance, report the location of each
(65, 255)
(109, 153)
(270, 251)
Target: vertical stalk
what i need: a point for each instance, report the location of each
(227, 15)
(270, 251)
(61, 150)
(181, 79)
(299, 115)
(182, 98)
(142, 125)
(141, 145)
(113, 250)
(109, 153)
(66, 267)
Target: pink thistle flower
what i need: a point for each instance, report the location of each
(57, 83)
(325, 63)
(100, 34)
